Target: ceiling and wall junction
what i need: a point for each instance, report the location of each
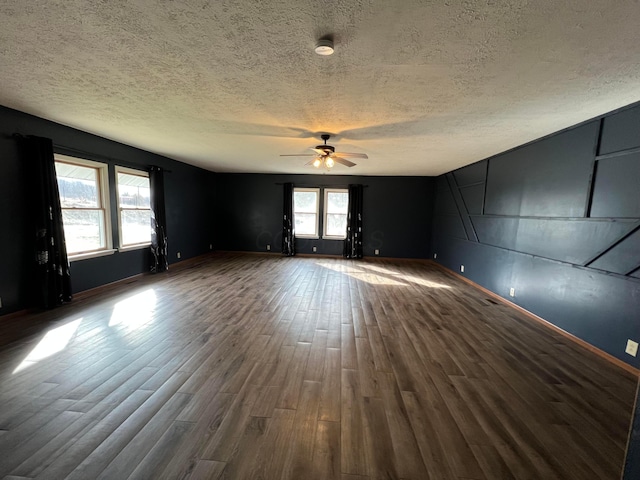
(421, 87)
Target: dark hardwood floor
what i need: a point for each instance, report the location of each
(262, 367)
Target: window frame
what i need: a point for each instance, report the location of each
(140, 173)
(325, 212)
(102, 184)
(316, 235)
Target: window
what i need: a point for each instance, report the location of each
(305, 211)
(336, 204)
(84, 187)
(134, 207)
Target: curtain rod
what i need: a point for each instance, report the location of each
(97, 155)
(316, 185)
(62, 149)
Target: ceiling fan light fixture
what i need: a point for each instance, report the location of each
(326, 155)
(324, 47)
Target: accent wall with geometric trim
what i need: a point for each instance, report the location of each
(558, 220)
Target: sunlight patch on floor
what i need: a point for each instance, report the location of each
(424, 282)
(376, 268)
(53, 342)
(376, 279)
(409, 278)
(134, 312)
(339, 268)
(363, 275)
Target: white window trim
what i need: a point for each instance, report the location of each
(325, 212)
(105, 204)
(97, 253)
(317, 192)
(135, 246)
(121, 246)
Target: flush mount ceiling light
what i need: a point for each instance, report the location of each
(324, 47)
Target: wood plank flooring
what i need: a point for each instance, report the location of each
(263, 367)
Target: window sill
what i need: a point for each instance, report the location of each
(84, 256)
(138, 246)
(308, 237)
(333, 238)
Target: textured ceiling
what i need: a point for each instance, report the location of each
(422, 87)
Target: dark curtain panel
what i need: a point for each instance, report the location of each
(52, 284)
(288, 234)
(353, 242)
(160, 258)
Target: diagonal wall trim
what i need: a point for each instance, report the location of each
(462, 209)
(555, 239)
(612, 246)
(594, 170)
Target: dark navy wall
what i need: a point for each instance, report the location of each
(189, 203)
(396, 213)
(559, 221)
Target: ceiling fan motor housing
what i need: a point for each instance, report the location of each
(326, 155)
(327, 148)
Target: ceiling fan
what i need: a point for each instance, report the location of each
(327, 156)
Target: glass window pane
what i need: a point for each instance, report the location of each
(336, 224)
(83, 230)
(136, 226)
(133, 191)
(305, 224)
(337, 202)
(77, 185)
(305, 202)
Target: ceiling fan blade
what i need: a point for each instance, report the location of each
(300, 155)
(355, 155)
(343, 161)
(319, 151)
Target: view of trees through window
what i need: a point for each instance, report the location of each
(82, 211)
(306, 209)
(134, 203)
(336, 205)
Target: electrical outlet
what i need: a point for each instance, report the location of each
(376, 252)
(268, 247)
(462, 268)
(512, 292)
(178, 254)
(314, 248)
(211, 246)
(435, 255)
(632, 348)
